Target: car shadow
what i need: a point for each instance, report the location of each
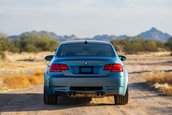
(34, 102)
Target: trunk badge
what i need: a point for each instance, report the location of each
(86, 63)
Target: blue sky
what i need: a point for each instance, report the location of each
(85, 18)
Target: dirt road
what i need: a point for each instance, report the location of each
(142, 100)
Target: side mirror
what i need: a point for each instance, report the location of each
(122, 58)
(49, 57)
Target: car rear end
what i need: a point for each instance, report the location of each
(85, 69)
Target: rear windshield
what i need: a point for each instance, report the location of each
(82, 49)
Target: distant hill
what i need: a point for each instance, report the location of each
(66, 38)
(51, 34)
(153, 33)
(106, 37)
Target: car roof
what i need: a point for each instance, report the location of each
(85, 41)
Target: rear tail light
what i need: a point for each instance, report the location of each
(58, 67)
(113, 67)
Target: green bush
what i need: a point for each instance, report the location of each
(169, 43)
(35, 43)
(137, 44)
(4, 42)
(27, 43)
(2, 55)
(4, 45)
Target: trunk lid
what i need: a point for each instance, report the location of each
(90, 66)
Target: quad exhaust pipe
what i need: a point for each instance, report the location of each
(101, 93)
(71, 93)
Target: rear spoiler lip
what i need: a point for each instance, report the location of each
(85, 58)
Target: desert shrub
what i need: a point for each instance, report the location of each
(4, 42)
(13, 46)
(169, 43)
(23, 80)
(137, 44)
(27, 43)
(35, 43)
(160, 81)
(2, 55)
(161, 78)
(17, 81)
(4, 45)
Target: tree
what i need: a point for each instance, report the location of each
(169, 43)
(137, 44)
(36, 43)
(4, 46)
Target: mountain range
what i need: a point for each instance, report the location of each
(152, 33)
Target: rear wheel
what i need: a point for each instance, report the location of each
(50, 99)
(120, 99)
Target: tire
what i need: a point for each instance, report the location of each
(120, 99)
(50, 99)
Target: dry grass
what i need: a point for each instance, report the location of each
(27, 56)
(21, 70)
(161, 81)
(22, 80)
(14, 65)
(166, 89)
(161, 53)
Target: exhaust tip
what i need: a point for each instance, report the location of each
(71, 93)
(101, 93)
(98, 94)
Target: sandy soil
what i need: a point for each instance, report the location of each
(142, 100)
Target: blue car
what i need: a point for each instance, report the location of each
(86, 68)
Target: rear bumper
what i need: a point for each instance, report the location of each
(113, 80)
(65, 91)
(115, 84)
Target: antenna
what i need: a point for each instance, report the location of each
(85, 42)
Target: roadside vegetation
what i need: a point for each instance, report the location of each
(135, 45)
(37, 43)
(21, 80)
(161, 81)
(34, 43)
(27, 43)
(169, 44)
(4, 43)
